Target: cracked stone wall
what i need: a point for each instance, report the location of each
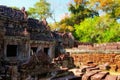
(98, 58)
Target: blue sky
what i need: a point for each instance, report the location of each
(58, 6)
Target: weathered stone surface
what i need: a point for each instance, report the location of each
(99, 47)
(10, 13)
(110, 77)
(118, 77)
(99, 76)
(91, 69)
(65, 61)
(22, 33)
(98, 59)
(88, 75)
(77, 72)
(69, 77)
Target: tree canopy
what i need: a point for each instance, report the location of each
(86, 20)
(98, 30)
(111, 7)
(40, 10)
(79, 11)
(88, 26)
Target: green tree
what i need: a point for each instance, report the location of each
(40, 10)
(65, 28)
(111, 7)
(54, 26)
(80, 10)
(98, 30)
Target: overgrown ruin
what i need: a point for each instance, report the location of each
(27, 46)
(28, 49)
(20, 39)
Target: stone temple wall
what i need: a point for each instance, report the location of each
(99, 58)
(103, 46)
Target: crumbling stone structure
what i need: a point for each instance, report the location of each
(112, 59)
(20, 39)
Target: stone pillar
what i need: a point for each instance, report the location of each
(14, 73)
(1, 47)
(29, 50)
(24, 51)
(5, 48)
(40, 47)
(51, 52)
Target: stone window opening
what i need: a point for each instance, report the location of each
(12, 50)
(46, 50)
(34, 50)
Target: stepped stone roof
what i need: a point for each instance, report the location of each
(15, 24)
(11, 14)
(38, 31)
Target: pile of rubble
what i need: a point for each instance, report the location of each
(98, 58)
(41, 66)
(90, 71)
(64, 61)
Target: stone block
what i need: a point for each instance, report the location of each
(87, 76)
(118, 77)
(99, 76)
(91, 69)
(111, 77)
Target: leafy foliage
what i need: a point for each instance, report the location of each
(84, 20)
(89, 26)
(111, 7)
(98, 30)
(80, 11)
(40, 10)
(54, 26)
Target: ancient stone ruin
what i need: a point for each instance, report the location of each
(21, 41)
(27, 46)
(29, 50)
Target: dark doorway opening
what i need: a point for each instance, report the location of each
(34, 49)
(46, 50)
(12, 50)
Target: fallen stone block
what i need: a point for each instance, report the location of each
(77, 72)
(99, 76)
(111, 77)
(84, 68)
(69, 77)
(118, 77)
(89, 74)
(90, 69)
